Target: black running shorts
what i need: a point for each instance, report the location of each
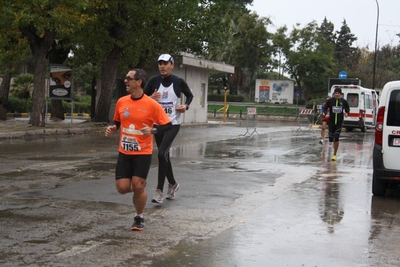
(132, 165)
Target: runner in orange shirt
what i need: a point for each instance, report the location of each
(138, 117)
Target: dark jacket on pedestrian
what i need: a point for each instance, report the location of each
(336, 108)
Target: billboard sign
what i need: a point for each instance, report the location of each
(281, 91)
(60, 82)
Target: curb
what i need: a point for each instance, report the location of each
(17, 115)
(26, 115)
(45, 132)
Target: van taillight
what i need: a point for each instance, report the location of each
(379, 126)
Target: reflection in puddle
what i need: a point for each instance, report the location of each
(331, 210)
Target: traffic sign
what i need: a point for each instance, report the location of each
(297, 94)
(343, 75)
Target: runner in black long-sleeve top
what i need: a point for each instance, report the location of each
(338, 109)
(167, 88)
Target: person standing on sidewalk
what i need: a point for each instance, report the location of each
(338, 109)
(167, 88)
(323, 113)
(138, 117)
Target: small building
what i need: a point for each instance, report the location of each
(195, 72)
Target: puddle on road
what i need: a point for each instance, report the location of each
(97, 167)
(29, 173)
(251, 162)
(52, 158)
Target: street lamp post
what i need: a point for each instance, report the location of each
(376, 44)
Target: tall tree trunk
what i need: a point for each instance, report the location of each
(57, 110)
(108, 76)
(93, 99)
(4, 91)
(38, 97)
(39, 46)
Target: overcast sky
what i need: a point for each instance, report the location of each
(360, 16)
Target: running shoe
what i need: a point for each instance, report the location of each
(138, 224)
(171, 190)
(321, 142)
(333, 157)
(158, 197)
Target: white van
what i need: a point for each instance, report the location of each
(363, 103)
(386, 152)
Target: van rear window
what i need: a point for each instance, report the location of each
(393, 115)
(352, 99)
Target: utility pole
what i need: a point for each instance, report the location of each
(376, 45)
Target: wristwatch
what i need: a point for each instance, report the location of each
(154, 130)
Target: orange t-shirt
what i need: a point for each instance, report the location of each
(133, 114)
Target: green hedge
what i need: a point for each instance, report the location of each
(229, 98)
(79, 107)
(316, 102)
(82, 104)
(268, 110)
(17, 105)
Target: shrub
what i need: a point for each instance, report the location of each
(300, 102)
(18, 105)
(79, 107)
(82, 104)
(316, 102)
(22, 86)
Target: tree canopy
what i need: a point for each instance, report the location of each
(108, 37)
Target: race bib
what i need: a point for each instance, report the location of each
(130, 143)
(337, 109)
(168, 107)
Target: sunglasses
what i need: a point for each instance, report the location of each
(130, 78)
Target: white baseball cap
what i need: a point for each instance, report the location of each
(166, 58)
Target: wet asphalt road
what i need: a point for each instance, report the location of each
(270, 199)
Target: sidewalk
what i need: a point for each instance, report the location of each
(18, 127)
(26, 115)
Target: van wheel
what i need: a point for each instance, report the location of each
(363, 129)
(378, 186)
(349, 129)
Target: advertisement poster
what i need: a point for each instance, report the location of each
(60, 82)
(264, 93)
(274, 91)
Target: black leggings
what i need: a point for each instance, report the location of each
(164, 142)
(334, 131)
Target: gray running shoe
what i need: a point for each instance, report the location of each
(158, 197)
(138, 224)
(171, 190)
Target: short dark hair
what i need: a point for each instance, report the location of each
(142, 75)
